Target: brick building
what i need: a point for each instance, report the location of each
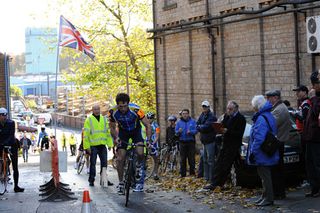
(223, 50)
(4, 80)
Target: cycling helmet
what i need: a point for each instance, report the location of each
(150, 115)
(172, 118)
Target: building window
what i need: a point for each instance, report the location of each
(169, 4)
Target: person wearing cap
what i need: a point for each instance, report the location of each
(282, 116)
(186, 131)
(7, 138)
(234, 124)
(303, 106)
(311, 135)
(207, 138)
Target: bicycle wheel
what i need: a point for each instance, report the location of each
(128, 180)
(164, 163)
(3, 178)
(81, 163)
(149, 166)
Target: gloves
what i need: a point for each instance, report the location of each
(252, 158)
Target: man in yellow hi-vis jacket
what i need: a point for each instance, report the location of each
(96, 137)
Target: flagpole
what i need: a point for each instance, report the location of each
(56, 82)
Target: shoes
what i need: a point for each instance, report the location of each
(313, 193)
(110, 184)
(91, 183)
(258, 200)
(121, 188)
(18, 189)
(209, 187)
(138, 188)
(265, 202)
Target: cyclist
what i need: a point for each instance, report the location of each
(127, 116)
(80, 150)
(7, 138)
(154, 142)
(44, 138)
(171, 138)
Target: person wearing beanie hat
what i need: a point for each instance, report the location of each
(7, 138)
(311, 134)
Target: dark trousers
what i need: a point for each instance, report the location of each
(223, 165)
(100, 150)
(313, 165)
(14, 161)
(264, 173)
(278, 176)
(187, 151)
(73, 149)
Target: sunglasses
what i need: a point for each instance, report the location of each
(3, 114)
(122, 105)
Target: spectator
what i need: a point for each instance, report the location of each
(234, 125)
(64, 142)
(171, 139)
(263, 121)
(73, 144)
(25, 144)
(186, 130)
(207, 137)
(33, 141)
(311, 134)
(7, 138)
(300, 115)
(282, 116)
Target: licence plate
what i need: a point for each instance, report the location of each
(291, 159)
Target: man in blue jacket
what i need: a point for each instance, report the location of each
(186, 130)
(207, 137)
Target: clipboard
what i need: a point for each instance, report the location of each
(218, 127)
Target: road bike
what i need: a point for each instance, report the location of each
(81, 162)
(4, 169)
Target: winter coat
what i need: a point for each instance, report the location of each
(204, 126)
(281, 114)
(258, 134)
(186, 125)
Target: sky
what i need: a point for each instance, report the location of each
(15, 16)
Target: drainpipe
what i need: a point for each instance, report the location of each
(262, 59)
(296, 45)
(223, 69)
(191, 74)
(165, 78)
(155, 62)
(213, 72)
(7, 82)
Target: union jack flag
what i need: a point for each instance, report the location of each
(70, 37)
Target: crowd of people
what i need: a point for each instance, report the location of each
(124, 123)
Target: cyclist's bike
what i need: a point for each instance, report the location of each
(130, 170)
(82, 162)
(4, 169)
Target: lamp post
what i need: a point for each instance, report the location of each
(127, 73)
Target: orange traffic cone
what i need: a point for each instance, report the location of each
(86, 205)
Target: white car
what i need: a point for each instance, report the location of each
(44, 118)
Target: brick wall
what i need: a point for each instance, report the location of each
(251, 56)
(2, 82)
